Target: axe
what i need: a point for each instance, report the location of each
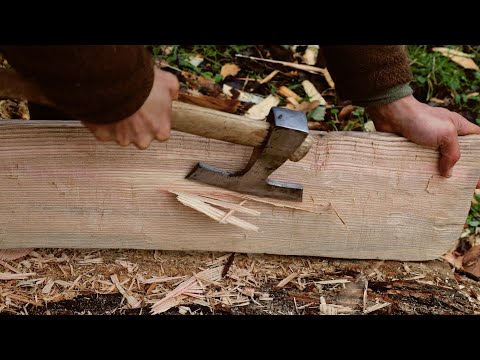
(283, 136)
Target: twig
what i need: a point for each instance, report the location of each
(227, 265)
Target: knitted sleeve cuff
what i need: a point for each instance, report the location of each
(386, 96)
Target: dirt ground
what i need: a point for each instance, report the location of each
(83, 282)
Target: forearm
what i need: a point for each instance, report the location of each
(369, 75)
(99, 84)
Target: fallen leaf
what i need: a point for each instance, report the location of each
(197, 82)
(307, 106)
(471, 263)
(464, 60)
(229, 70)
(344, 114)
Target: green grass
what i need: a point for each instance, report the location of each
(437, 76)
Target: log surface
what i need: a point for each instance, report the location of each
(366, 195)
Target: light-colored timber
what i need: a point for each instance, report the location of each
(367, 195)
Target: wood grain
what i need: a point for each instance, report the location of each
(367, 195)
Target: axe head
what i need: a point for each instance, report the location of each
(287, 132)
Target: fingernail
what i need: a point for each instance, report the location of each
(449, 173)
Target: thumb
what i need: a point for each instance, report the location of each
(449, 154)
(463, 126)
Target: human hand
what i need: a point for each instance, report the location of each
(151, 121)
(425, 125)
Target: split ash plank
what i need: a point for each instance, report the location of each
(367, 195)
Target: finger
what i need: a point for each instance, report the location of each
(143, 142)
(103, 134)
(463, 126)
(478, 184)
(164, 133)
(449, 154)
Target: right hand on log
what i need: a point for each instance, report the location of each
(425, 125)
(152, 121)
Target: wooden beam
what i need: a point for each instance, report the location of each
(367, 195)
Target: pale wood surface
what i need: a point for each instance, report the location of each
(367, 195)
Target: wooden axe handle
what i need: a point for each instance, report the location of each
(187, 118)
(224, 126)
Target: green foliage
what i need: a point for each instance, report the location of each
(473, 218)
(436, 75)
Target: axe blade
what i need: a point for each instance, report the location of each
(288, 131)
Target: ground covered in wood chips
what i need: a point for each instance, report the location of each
(242, 79)
(68, 282)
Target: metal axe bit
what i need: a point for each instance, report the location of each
(288, 131)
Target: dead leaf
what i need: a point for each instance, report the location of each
(307, 106)
(464, 60)
(200, 83)
(229, 70)
(344, 114)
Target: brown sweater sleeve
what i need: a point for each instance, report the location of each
(98, 83)
(363, 73)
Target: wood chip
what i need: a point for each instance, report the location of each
(286, 92)
(10, 276)
(134, 303)
(177, 295)
(269, 76)
(287, 279)
(331, 282)
(161, 279)
(220, 103)
(48, 287)
(14, 254)
(218, 202)
(311, 54)
(242, 95)
(375, 308)
(214, 213)
(313, 93)
(261, 110)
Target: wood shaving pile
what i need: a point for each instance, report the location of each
(159, 281)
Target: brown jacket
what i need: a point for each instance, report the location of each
(108, 83)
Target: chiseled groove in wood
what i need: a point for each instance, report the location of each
(120, 216)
